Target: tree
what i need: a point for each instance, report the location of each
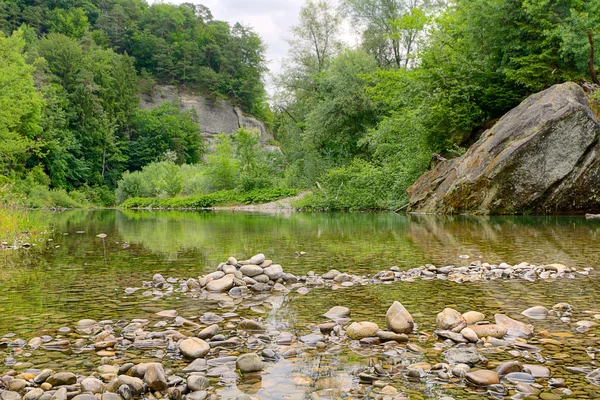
(222, 168)
(390, 28)
(20, 105)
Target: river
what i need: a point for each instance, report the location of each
(71, 274)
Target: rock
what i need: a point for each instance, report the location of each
(493, 330)
(274, 272)
(42, 376)
(509, 366)
(514, 328)
(456, 337)
(85, 396)
(386, 336)
(337, 312)
(232, 261)
(194, 348)
(398, 319)
(155, 377)
(197, 395)
(208, 332)
(327, 327)
(33, 394)
(197, 382)
(519, 377)
(483, 377)
(16, 385)
(450, 319)
(469, 334)
(537, 312)
(60, 394)
(92, 385)
(62, 378)
(167, 313)
(134, 385)
(506, 171)
(464, 355)
(249, 362)
(538, 371)
(251, 325)
(220, 285)
(361, 330)
(257, 259)
(473, 317)
(251, 270)
(9, 395)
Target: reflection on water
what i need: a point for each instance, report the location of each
(78, 275)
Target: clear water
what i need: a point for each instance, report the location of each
(78, 275)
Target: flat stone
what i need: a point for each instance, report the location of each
(194, 348)
(483, 377)
(361, 330)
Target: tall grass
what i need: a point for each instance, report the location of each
(16, 223)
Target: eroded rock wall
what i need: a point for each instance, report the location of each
(215, 117)
(541, 157)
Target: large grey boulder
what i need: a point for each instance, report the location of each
(541, 157)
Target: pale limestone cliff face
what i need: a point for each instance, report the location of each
(541, 157)
(215, 117)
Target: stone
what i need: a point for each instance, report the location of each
(450, 319)
(92, 385)
(251, 270)
(134, 385)
(9, 395)
(361, 330)
(469, 334)
(85, 396)
(232, 261)
(42, 376)
(537, 312)
(60, 394)
(194, 348)
(251, 325)
(538, 371)
(16, 385)
(464, 355)
(483, 377)
(387, 336)
(398, 319)
(167, 313)
(274, 272)
(492, 330)
(155, 377)
(337, 312)
(197, 395)
(473, 317)
(249, 362)
(454, 336)
(197, 382)
(220, 285)
(33, 394)
(508, 367)
(506, 171)
(208, 332)
(514, 327)
(62, 378)
(257, 259)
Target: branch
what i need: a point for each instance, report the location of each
(591, 60)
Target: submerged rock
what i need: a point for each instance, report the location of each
(361, 330)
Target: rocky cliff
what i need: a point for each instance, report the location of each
(215, 117)
(542, 157)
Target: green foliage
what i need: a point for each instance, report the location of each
(20, 105)
(221, 165)
(162, 129)
(221, 198)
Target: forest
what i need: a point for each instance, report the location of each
(356, 124)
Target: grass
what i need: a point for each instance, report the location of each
(222, 198)
(16, 223)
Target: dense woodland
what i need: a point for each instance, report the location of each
(355, 124)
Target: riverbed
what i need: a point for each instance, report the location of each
(73, 274)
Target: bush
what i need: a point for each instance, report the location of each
(222, 198)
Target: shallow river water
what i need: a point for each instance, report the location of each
(77, 275)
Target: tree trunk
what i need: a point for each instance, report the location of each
(591, 60)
